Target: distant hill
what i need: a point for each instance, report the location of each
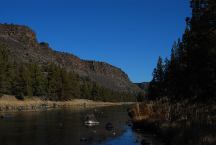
(24, 47)
(144, 85)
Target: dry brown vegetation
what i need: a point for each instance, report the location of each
(178, 123)
(10, 103)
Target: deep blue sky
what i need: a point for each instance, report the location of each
(129, 34)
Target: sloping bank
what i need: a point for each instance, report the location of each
(10, 103)
(177, 123)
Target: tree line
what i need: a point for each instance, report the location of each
(50, 82)
(190, 72)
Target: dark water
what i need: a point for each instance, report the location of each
(65, 127)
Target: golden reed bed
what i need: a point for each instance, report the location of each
(10, 103)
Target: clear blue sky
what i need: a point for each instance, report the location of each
(129, 34)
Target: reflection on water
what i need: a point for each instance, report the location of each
(66, 127)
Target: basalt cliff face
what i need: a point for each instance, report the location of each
(24, 47)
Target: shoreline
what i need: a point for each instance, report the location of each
(11, 104)
(175, 123)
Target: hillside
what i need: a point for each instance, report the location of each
(144, 85)
(24, 47)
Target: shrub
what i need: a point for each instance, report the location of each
(20, 96)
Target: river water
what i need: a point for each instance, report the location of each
(66, 127)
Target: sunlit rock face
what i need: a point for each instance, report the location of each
(24, 47)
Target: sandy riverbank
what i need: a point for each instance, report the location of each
(10, 103)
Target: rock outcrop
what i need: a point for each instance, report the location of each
(24, 47)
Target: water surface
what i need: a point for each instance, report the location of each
(66, 127)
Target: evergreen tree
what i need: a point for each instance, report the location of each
(53, 82)
(5, 70)
(50, 82)
(25, 75)
(38, 80)
(190, 73)
(67, 86)
(22, 83)
(95, 92)
(86, 90)
(157, 83)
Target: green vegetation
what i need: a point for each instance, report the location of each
(50, 82)
(182, 93)
(190, 73)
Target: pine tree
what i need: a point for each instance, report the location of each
(53, 82)
(156, 88)
(159, 74)
(25, 75)
(190, 73)
(66, 85)
(95, 92)
(5, 70)
(38, 80)
(85, 90)
(18, 85)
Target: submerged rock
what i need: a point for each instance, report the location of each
(109, 126)
(90, 120)
(83, 139)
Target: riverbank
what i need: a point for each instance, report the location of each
(177, 123)
(10, 103)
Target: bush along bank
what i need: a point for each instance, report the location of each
(176, 123)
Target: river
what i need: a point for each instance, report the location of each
(66, 127)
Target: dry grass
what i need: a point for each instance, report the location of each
(10, 103)
(180, 123)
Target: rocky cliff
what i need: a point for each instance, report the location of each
(24, 47)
